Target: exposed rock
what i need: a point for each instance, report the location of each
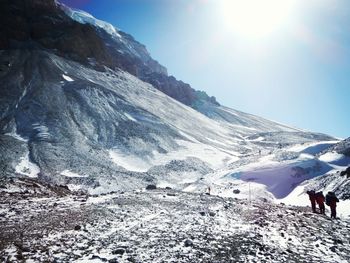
(118, 251)
(212, 213)
(151, 187)
(188, 243)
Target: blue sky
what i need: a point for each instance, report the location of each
(289, 64)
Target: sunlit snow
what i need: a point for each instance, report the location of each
(26, 167)
(67, 78)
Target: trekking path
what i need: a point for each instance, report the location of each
(164, 226)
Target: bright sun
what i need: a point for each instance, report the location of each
(256, 18)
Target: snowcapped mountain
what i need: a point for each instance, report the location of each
(88, 119)
(84, 104)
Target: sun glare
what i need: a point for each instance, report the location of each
(256, 18)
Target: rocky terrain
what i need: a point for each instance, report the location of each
(162, 225)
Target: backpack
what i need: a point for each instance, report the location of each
(329, 198)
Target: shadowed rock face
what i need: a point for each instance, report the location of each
(178, 90)
(42, 24)
(39, 24)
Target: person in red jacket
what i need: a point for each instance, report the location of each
(320, 201)
(332, 201)
(312, 197)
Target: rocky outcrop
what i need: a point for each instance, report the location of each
(39, 24)
(177, 89)
(343, 147)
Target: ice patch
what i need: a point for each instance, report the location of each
(26, 167)
(67, 78)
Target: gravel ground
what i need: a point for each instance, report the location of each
(162, 225)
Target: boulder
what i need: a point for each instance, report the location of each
(118, 251)
(188, 243)
(151, 187)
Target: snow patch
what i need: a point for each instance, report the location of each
(26, 167)
(331, 157)
(85, 18)
(283, 178)
(16, 136)
(67, 78)
(74, 187)
(211, 155)
(130, 117)
(312, 148)
(42, 131)
(71, 174)
(129, 162)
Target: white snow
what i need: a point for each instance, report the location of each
(75, 187)
(331, 157)
(130, 117)
(343, 209)
(206, 153)
(42, 131)
(259, 139)
(85, 18)
(17, 136)
(129, 162)
(312, 148)
(71, 174)
(26, 167)
(67, 78)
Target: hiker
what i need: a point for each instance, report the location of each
(331, 201)
(320, 201)
(209, 190)
(346, 172)
(312, 198)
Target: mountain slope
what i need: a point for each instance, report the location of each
(77, 107)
